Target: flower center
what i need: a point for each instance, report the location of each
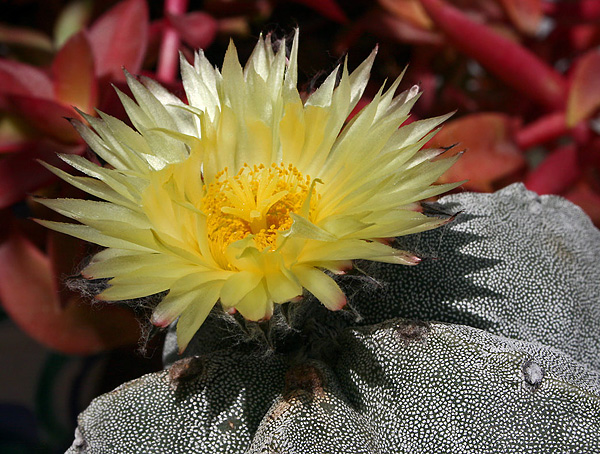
(257, 201)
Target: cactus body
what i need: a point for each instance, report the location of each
(505, 357)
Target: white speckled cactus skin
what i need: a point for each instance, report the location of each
(505, 357)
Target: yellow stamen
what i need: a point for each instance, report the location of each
(256, 201)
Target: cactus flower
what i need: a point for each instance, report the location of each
(248, 194)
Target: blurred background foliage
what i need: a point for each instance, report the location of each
(520, 74)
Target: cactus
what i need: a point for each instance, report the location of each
(491, 344)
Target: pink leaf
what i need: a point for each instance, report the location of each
(47, 116)
(556, 173)
(491, 155)
(168, 58)
(73, 72)
(542, 130)
(21, 79)
(119, 38)
(525, 14)
(590, 158)
(21, 174)
(583, 195)
(29, 295)
(584, 96)
(14, 147)
(509, 61)
(580, 37)
(197, 30)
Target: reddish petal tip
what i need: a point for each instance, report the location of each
(338, 305)
(160, 321)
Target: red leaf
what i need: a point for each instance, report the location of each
(590, 158)
(583, 195)
(584, 96)
(556, 173)
(544, 129)
(14, 147)
(21, 79)
(510, 62)
(573, 11)
(47, 116)
(21, 174)
(168, 58)
(197, 30)
(581, 37)
(328, 8)
(491, 155)
(119, 38)
(525, 14)
(29, 295)
(73, 74)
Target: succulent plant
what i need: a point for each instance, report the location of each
(490, 345)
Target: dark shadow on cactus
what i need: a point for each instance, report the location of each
(297, 330)
(375, 374)
(511, 263)
(484, 270)
(211, 374)
(434, 289)
(314, 416)
(307, 330)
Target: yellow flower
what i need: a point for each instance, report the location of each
(247, 194)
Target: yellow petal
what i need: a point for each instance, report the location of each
(238, 286)
(256, 305)
(200, 303)
(124, 263)
(92, 186)
(89, 210)
(83, 232)
(322, 287)
(281, 285)
(185, 292)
